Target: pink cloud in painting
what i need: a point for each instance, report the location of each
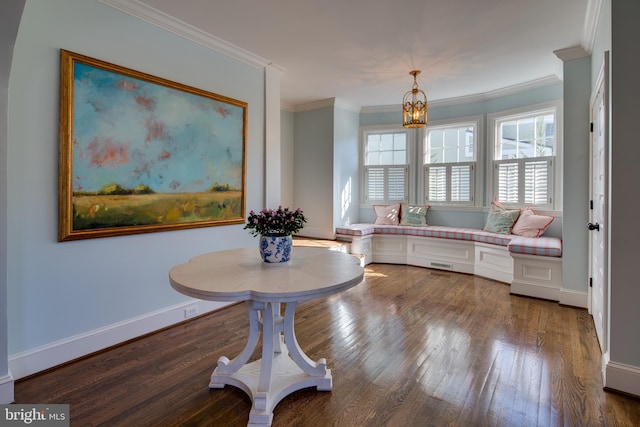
(223, 112)
(127, 85)
(155, 130)
(144, 103)
(107, 152)
(165, 155)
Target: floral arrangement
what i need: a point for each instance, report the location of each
(281, 221)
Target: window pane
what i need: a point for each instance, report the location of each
(546, 147)
(527, 137)
(386, 149)
(508, 130)
(386, 142)
(526, 130)
(373, 142)
(435, 156)
(373, 158)
(433, 147)
(526, 149)
(400, 141)
(435, 138)
(386, 157)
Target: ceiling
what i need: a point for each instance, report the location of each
(361, 51)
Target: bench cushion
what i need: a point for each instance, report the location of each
(541, 246)
(356, 230)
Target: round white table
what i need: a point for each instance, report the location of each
(240, 275)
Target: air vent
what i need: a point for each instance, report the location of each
(441, 265)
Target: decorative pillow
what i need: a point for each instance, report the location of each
(529, 224)
(414, 215)
(387, 215)
(500, 220)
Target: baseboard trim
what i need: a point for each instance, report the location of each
(562, 296)
(6, 389)
(535, 291)
(622, 378)
(56, 353)
(574, 298)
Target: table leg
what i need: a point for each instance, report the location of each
(269, 380)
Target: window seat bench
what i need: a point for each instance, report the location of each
(531, 265)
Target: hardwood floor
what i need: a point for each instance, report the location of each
(407, 347)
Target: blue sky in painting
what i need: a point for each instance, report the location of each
(131, 132)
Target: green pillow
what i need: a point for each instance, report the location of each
(500, 220)
(414, 215)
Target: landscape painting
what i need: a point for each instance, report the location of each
(142, 154)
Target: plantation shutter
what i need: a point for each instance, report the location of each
(508, 182)
(536, 175)
(386, 183)
(436, 183)
(397, 183)
(461, 180)
(375, 183)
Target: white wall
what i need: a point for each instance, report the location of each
(345, 167)
(575, 242)
(287, 163)
(313, 175)
(60, 291)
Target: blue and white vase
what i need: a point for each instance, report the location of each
(275, 248)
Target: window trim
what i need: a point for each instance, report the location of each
(556, 169)
(376, 129)
(478, 168)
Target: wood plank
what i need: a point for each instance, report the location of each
(408, 346)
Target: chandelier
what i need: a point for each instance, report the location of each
(414, 106)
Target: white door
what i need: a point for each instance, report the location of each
(598, 248)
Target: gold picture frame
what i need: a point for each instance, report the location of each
(141, 154)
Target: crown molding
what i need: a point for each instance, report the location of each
(383, 109)
(314, 105)
(594, 8)
(322, 103)
(571, 53)
(345, 105)
(155, 17)
(469, 99)
(289, 108)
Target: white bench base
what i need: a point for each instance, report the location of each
(537, 276)
(529, 275)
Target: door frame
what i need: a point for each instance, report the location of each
(601, 81)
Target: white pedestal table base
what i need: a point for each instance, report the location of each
(283, 369)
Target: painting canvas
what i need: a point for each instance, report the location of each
(142, 154)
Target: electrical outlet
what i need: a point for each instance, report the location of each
(190, 311)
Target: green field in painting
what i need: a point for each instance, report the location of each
(103, 211)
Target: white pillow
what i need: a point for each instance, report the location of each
(387, 215)
(529, 224)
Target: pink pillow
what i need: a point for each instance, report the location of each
(387, 215)
(531, 225)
